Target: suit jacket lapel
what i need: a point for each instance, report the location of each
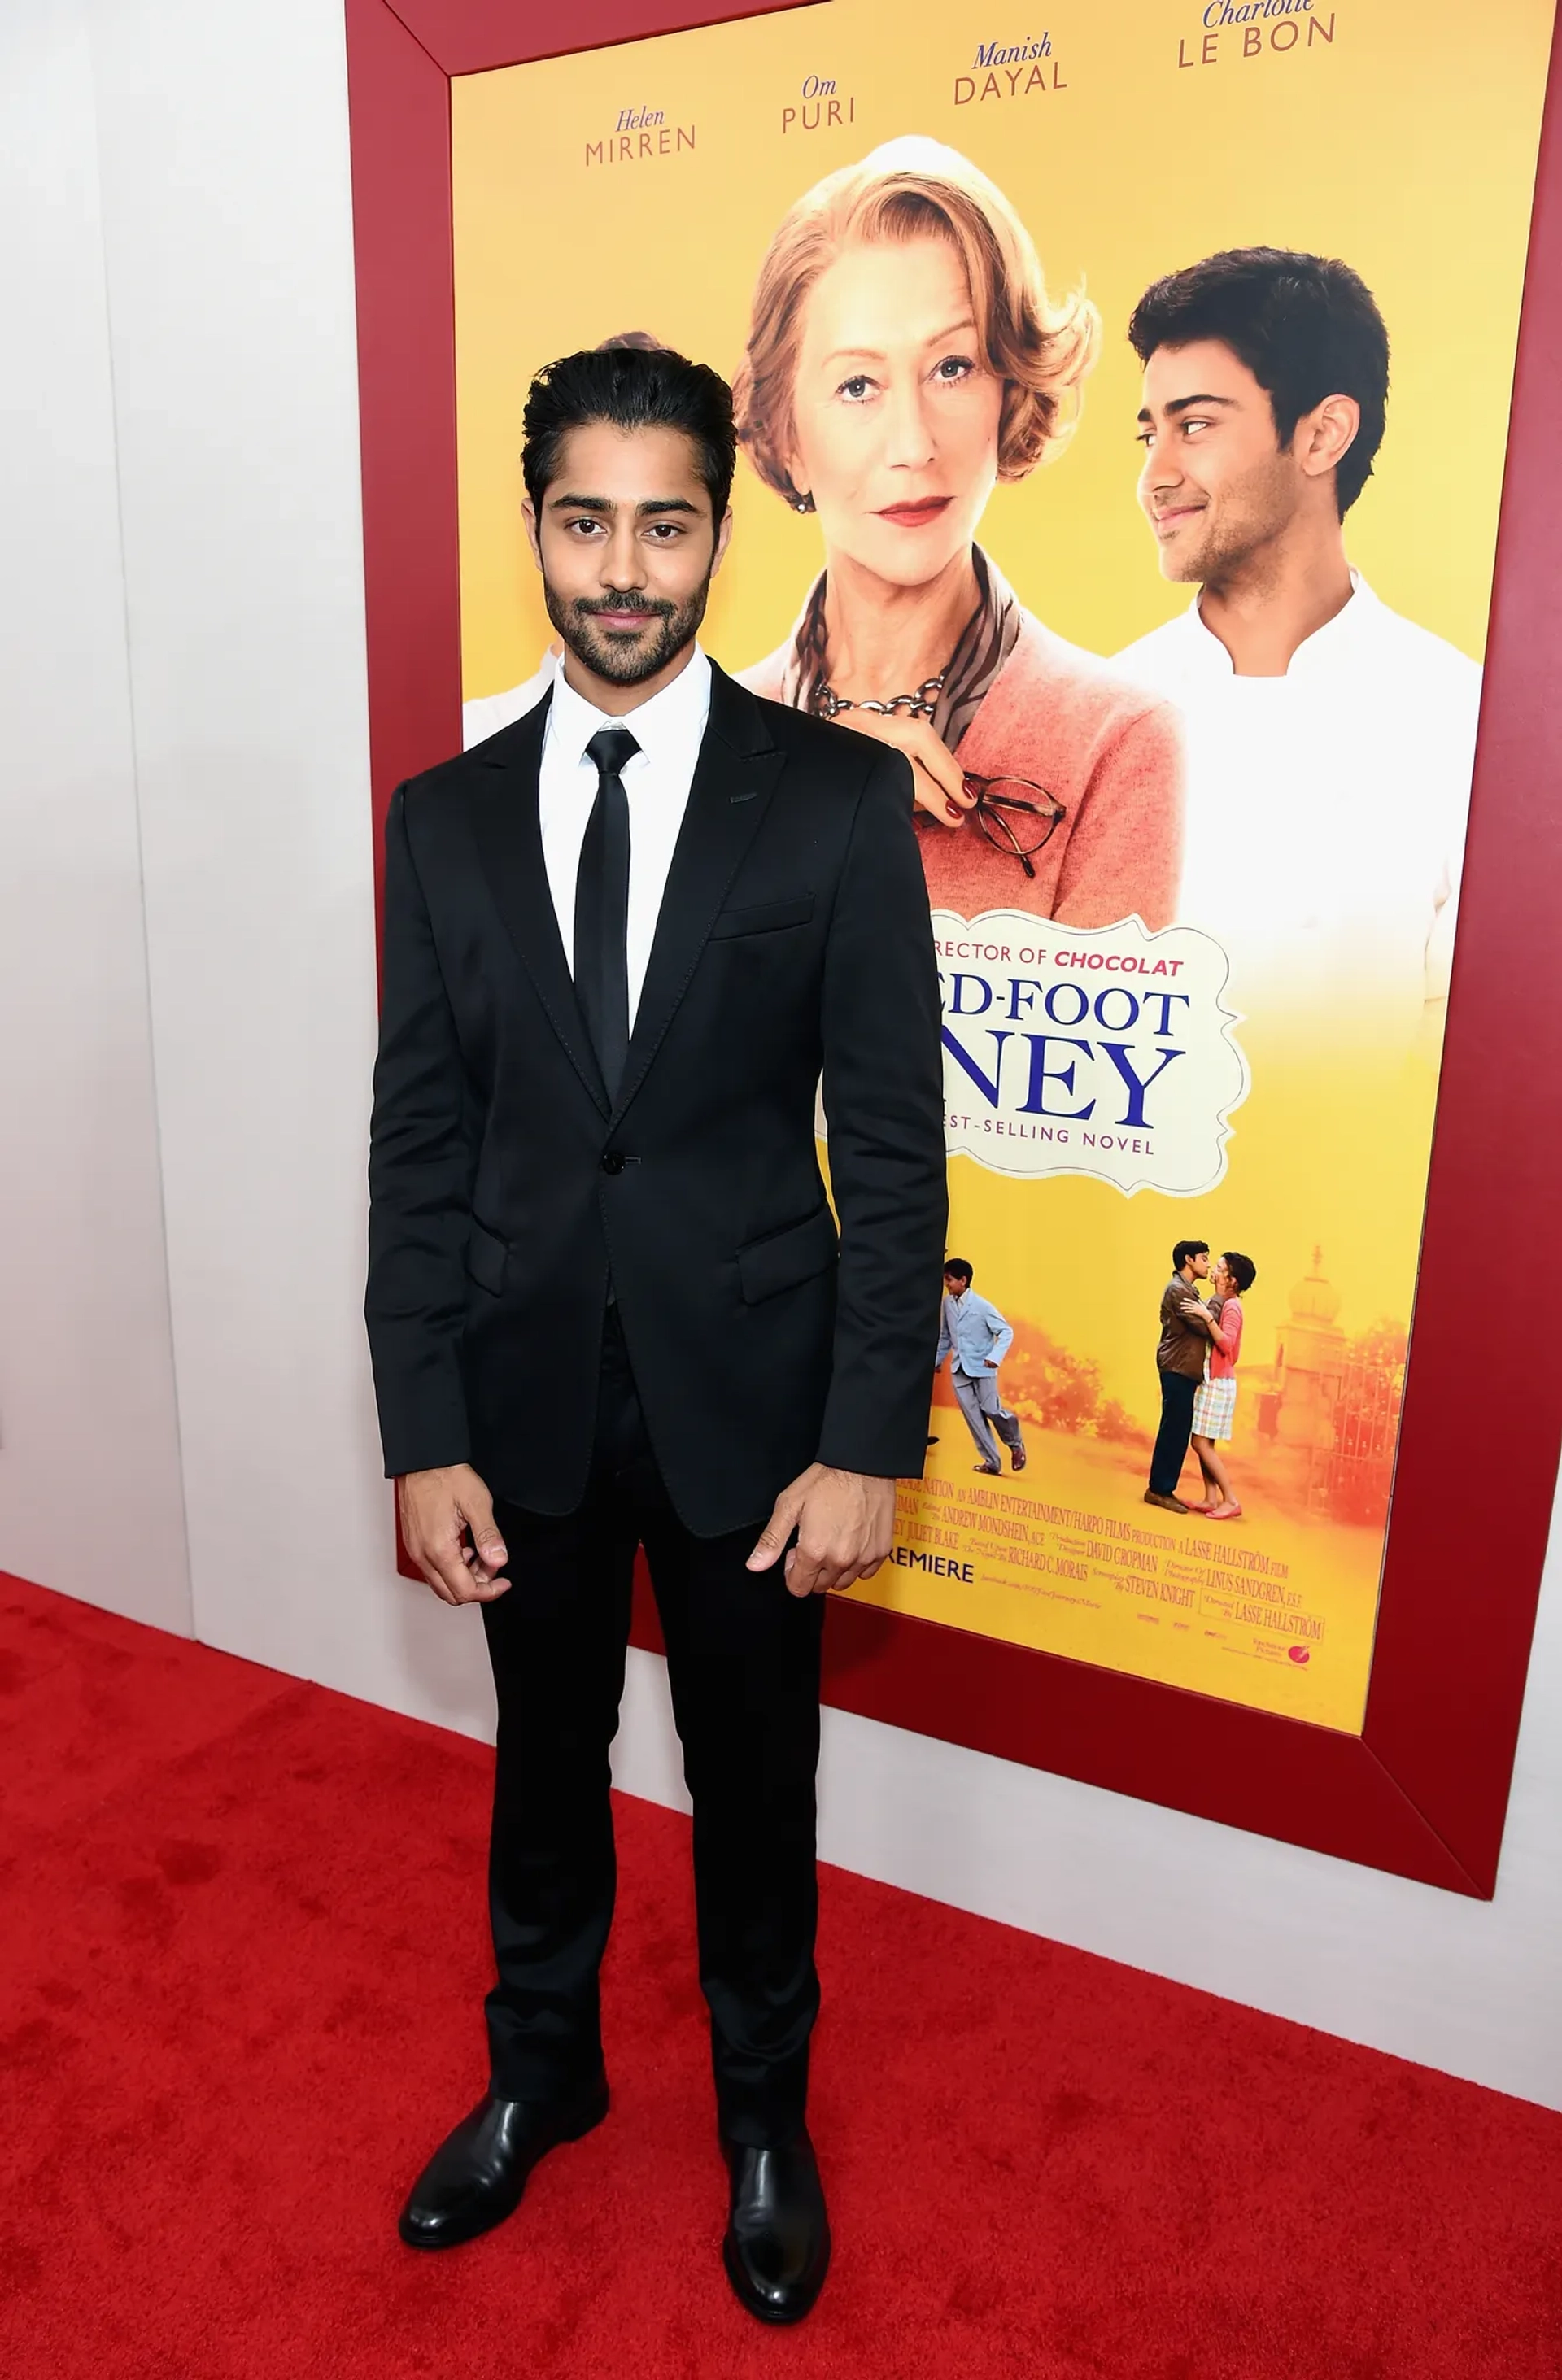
(504, 816)
(734, 779)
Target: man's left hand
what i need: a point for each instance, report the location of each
(845, 1521)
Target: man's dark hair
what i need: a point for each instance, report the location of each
(633, 387)
(1307, 327)
(958, 1267)
(1242, 1270)
(1186, 1248)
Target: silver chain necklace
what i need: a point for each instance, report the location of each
(920, 705)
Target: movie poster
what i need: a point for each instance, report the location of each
(1191, 802)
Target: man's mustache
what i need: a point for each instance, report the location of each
(625, 603)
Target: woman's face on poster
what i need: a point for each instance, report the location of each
(896, 412)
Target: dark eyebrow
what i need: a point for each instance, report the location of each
(1184, 404)
(606, 505)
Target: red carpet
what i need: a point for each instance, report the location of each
(242, 1965)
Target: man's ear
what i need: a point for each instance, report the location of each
(724, 538)
(1323, 436)
(528, 515)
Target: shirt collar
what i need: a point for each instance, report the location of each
(669, 722)
(1330, 647)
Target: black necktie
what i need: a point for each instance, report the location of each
(602, 908)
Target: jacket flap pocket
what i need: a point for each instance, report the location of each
(486, 1259)
(783, 1258)
(764, 917)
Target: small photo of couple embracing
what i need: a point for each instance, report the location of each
(1196, 1358)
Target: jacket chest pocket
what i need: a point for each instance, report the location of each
(764, 917)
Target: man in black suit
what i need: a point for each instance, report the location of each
(608, 1305)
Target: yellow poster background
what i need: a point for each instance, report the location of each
(1393, 133)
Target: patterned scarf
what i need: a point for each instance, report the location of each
(984, 646)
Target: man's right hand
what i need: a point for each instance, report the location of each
(436, 1508)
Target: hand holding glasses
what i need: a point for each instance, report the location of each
(1017, 817)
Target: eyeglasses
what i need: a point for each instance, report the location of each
(1012, 822)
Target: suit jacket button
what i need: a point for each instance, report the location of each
(613, 1160)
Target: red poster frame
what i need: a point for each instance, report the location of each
(1423, 1792)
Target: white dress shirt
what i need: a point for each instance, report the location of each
(1325, 811)
(669, 730)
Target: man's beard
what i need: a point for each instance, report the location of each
(619, 659)
(1241, 544)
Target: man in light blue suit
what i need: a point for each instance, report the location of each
(975, 1334)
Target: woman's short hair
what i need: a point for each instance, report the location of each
(911, 188)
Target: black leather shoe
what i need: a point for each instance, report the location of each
(777, 2245)
(476, 2178)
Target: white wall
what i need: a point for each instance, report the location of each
(222, 136)
(90, 1498)
(222, 151)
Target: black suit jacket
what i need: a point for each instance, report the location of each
(794, 937)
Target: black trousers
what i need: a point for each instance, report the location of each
(743, 1665)
(1178, 1393)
